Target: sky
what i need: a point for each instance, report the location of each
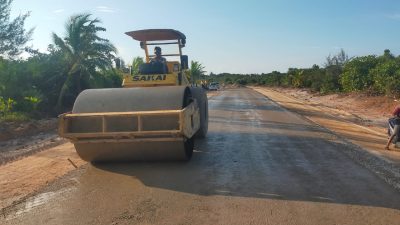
(251, 36)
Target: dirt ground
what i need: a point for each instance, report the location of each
(263, 162)
(364, 134)
(15, 130)
(32, 156)
(20, 178)
(375, 108)
(372, 109)
(369, 112)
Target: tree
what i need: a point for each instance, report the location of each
(387, 55)
(85, 53)
(136, 62)
(339, 59)
(196, 70)
(13, 35)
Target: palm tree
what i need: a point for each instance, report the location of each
(136, 62)
(196, 71)
(85, 53)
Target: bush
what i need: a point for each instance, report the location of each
(331, 79)
(6, 106)
(6, 113)
(386, 77)
(356, 73)
(242, 81)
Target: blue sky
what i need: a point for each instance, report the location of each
(235, 36)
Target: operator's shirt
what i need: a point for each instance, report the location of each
(159, 59)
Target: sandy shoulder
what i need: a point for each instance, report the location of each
(20, 178)
(370, 137)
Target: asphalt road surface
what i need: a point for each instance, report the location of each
(260, 164)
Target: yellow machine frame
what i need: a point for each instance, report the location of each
(176, 75)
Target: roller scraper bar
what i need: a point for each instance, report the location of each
(139, 125)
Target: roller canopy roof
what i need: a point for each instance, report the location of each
(156, 35)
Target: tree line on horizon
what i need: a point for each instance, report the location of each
(375, 75)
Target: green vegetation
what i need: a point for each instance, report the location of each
(136, 62)
(196, 71)
(84, 54)
(377, 75)
(45, 84)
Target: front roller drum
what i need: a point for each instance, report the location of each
(177, 150)
(134, 100)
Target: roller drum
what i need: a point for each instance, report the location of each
(132, 100)
(132, 151)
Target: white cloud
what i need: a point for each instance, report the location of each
(105, 9)
(58, 11)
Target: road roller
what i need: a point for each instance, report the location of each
(156, 115)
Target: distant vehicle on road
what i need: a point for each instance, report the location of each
(214, 86)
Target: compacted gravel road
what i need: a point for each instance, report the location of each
(260, 164)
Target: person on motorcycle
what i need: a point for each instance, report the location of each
(396, 122)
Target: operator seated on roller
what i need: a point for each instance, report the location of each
(158, 59)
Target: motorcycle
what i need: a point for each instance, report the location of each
(392, 122)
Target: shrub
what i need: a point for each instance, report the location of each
(356, 73)
(386, 77)
(6, 106)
